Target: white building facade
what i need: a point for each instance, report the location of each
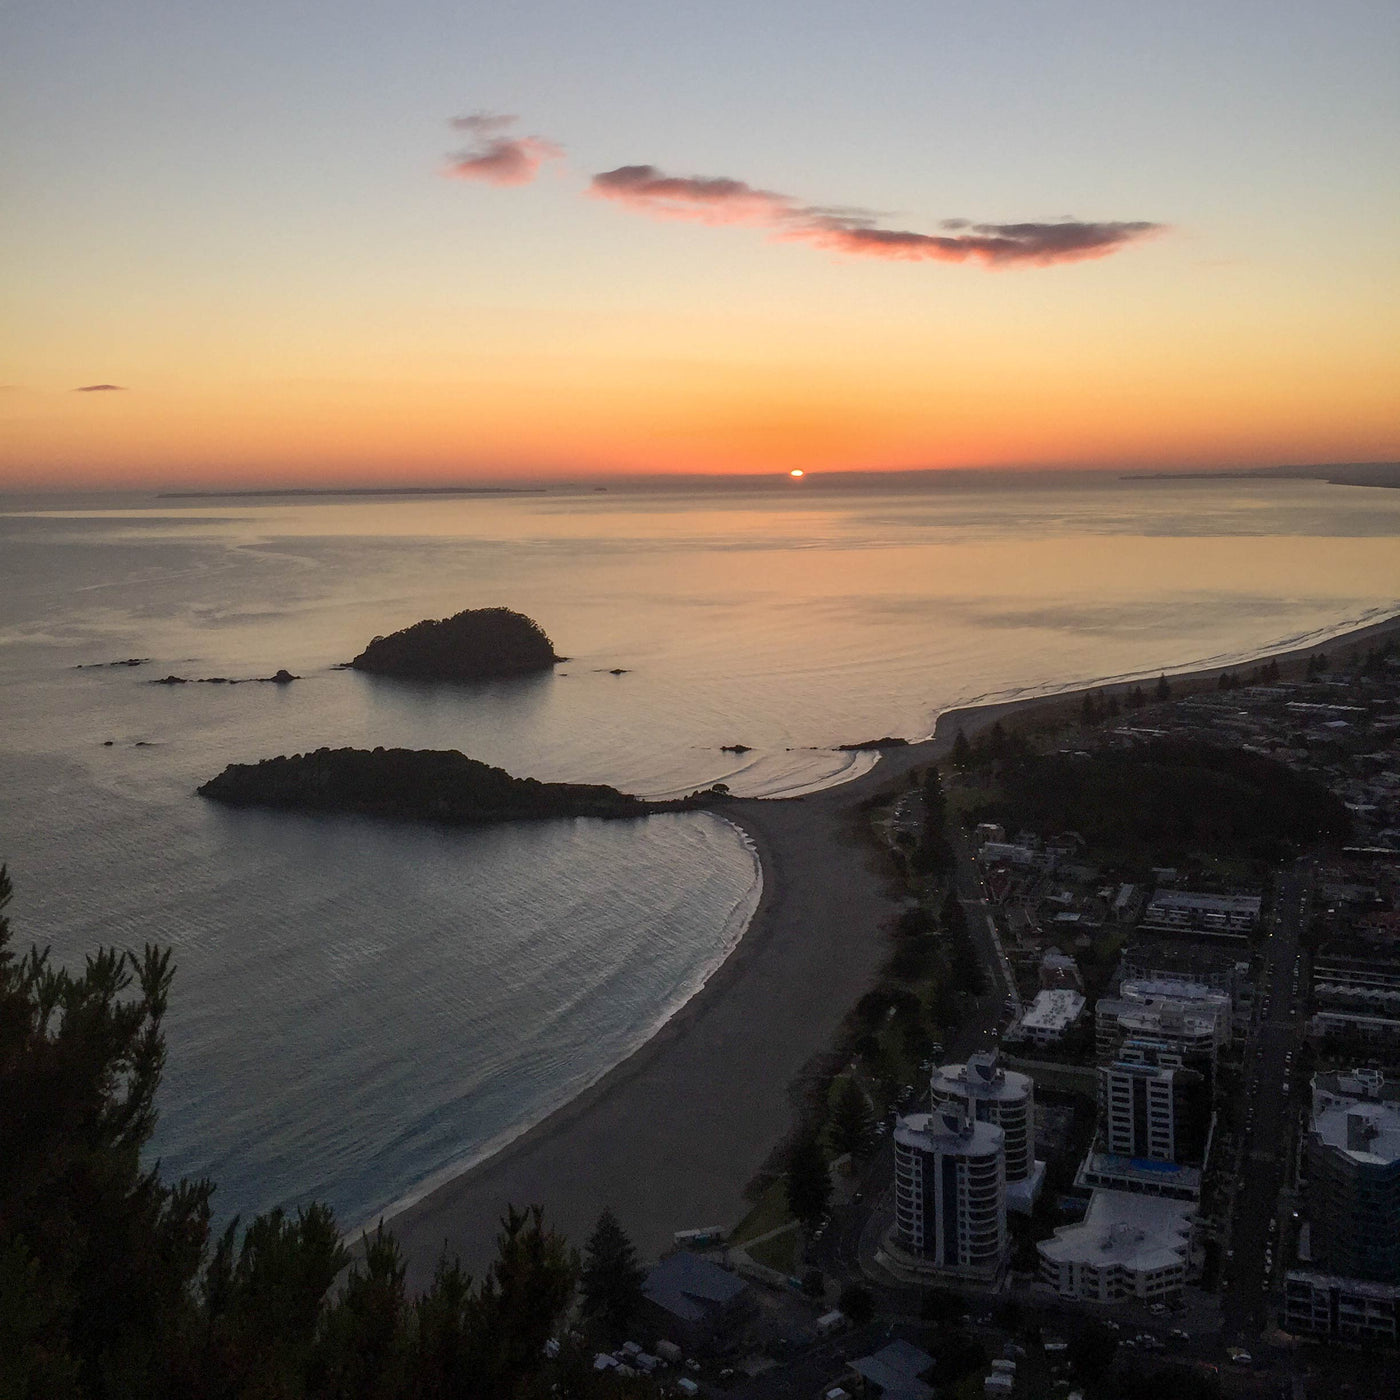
(950, 1195)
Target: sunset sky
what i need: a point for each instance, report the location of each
(298, 242)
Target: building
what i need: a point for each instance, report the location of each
(1006, 1099)
(1127, 1246)
(693, 1302)
(1324, 1305)
(1058, 970)
(1050, 1016)
(1353, 1166)
(1195, 1019)
(896, 1372)
(950, 1195)
(1153, 1107)
(1179, 910)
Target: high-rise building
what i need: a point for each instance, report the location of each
(950, 1194)
(1153, 1107)
(994, 1095)
(1353, 1165)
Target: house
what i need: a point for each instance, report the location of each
(895, 1372)
(694, 1302)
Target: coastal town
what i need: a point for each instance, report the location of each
(1122, 1111)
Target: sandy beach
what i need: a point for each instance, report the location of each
(670, 1137)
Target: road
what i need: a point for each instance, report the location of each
(1268, 1137)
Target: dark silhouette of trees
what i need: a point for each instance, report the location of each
(851, 1121)
(478, 644)
(807, 1181)
(1163, 690)
(109, 1286)
(612, 1278)
(858, 1303)
(962, 751)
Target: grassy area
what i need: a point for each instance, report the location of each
(779, 1253)
(769, 1211)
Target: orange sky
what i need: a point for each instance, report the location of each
(250, 231)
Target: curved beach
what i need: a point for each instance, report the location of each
(669, 1138)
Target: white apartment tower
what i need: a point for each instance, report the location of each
(1151, 1106)
(950, 1194)
(997, 1096)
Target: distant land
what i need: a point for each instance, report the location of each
(478, 644)
(429, 785)
(1336, 474)
(355, 491)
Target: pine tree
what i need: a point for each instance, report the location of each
(851, 1120)
(612, 1278)
(808, 1182)
(1163, 691)
(962, 751)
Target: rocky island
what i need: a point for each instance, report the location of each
(434, 785)
(475, 645)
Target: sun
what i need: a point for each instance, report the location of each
(796, 472)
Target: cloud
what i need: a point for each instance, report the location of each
(494, 157)
(100, 389)
(497, 158)
(718, 200)
(644, 189)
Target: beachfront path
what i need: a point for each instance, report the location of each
(670, 1138)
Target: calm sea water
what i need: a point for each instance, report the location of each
(360, 1008)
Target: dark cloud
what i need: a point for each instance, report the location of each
(494, 157)
(100, 389)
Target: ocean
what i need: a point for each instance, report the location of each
(361, 1009)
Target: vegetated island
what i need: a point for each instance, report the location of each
(478, 644)
(428, 785)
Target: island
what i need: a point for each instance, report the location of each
(475, 645)
(431, 785)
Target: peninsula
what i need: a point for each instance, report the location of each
(431, 785)
(478, 644)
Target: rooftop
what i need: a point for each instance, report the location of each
(690, 1287)
(1142, 1233)
(1055, 1010)
(1351, 1113)
(981, 1077)
(948, 1130)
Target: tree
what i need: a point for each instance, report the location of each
(611, 1279)
(962, 751)
(108, 1285)
(1163, 691)
(808, 1181)
(851, 1121)
(858, 1303)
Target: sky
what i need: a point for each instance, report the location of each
(298, 242)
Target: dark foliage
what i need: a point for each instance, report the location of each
(1170, 798)
(612, 1279)
(479, 644)
(109, 1287)
(807, 1181)
(435, 785)
(858, 1303)
(851, 1123)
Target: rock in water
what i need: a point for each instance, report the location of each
(417, 785)
(479, 644)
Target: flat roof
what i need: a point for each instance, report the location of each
(1142, 1233)
(1053, 1010)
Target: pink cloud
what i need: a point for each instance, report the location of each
(644, 189)
(495, 157)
